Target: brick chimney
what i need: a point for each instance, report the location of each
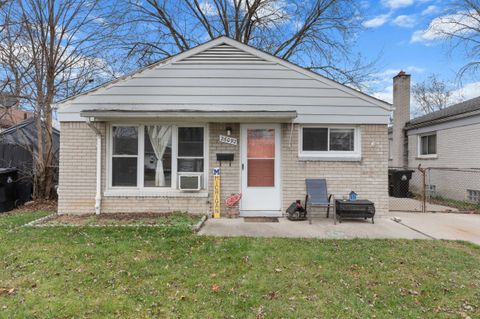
(401, 115)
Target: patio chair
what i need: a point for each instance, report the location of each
(317, 196)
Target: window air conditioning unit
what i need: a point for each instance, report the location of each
(189, 182)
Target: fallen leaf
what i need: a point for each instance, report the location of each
(271, 295)
(7, 291)
(278, 270)
(215, 288)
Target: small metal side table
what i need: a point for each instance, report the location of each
(360, 208)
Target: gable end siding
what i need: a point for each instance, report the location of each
(225, 77)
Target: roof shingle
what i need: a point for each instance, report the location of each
(457, 110)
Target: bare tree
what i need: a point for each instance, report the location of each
(50, 49)
(316, 34)
(462, 27)
(431, 95)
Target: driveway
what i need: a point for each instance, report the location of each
(412, 226)
(444, 225)
(415, 205)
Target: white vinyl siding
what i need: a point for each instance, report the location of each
(227, 78)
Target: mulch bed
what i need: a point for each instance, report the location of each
(37, 206)
(122, 219)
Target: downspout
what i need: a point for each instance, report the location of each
(98, 194)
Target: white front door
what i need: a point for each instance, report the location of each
(260, 155)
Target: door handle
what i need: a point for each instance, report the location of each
(243, 166)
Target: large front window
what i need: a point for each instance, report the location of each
(153, 156)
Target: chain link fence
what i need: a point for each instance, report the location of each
(434, 189)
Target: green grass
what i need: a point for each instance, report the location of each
(84, 272)
(459, 204)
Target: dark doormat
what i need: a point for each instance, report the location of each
(260, 219)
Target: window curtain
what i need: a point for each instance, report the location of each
(160, 137)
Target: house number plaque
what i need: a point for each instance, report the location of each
(228, 140)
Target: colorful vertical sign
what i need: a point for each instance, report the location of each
(216, 192)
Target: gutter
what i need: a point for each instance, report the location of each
(98, 194)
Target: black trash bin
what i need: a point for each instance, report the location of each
(23, 189)
(8, 177)
(399, 182)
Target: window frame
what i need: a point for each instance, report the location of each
(354, 155)
(111, 156)
(175, 159)
(419, 145)
(472, 193)
(140, 189)
(390, 148)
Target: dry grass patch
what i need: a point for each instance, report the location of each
(154, 219)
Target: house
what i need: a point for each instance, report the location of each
(149, 141)
(18, 146)
(10, 114)
(446, 141)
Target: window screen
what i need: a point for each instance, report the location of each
(190, 141)
(323, 139)
(190, 149)
(124, 155)
(428, 145)
(315, 139)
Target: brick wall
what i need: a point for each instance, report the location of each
(368, 178)
(230, 173)
(77, 175)
(456, 147)
(78, 156)
(77, 179)
(401, 115)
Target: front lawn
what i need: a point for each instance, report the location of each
(84, 272)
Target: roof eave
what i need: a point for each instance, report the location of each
(188, 115)
(409, 126)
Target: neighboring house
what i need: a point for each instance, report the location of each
(10, 114)
(148, 142)
(446, 140)
(18, 145)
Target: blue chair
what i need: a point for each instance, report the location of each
(317, 196)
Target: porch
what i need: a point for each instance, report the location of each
(320, 228)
